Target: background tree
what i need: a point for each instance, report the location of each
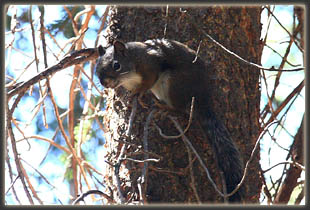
(134, 163)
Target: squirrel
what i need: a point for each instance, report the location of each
(174, 74)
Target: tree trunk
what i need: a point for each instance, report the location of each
(235, 100)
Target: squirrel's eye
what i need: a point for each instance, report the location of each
(116, 66)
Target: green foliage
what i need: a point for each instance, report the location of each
(67, 162)
(85, 134)
(65, 23)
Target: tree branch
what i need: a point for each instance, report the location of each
(293, 173)
(82, 196)
(75, 58)
(200, 29)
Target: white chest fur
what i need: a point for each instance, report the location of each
(130, 80)
(161, 88)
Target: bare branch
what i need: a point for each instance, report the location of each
(289, 63)
(141, 161)
(166, 171)
(197, 52)
(284, 103)
(30, 185)
(166, 17)
(146, 156)
(72, 150)
(292, 37)
(14, 148)
(301, 167)
(47, 140)
(12, 184)
(187, 127)
(185, 139)
(190, 165)
(200, 29)
(265, 188)
(75, 58)
(103, 20)
(250, 159)
(124, 146)
(82, 196)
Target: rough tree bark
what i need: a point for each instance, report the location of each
(236, 99)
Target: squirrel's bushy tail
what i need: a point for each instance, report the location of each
(226, 153)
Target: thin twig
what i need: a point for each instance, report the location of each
(292, 37)
(41, 8)
(140, 191)
(200, 29)
(9, 86)
(124, 146)
(191, 171)
(50, 146)
(207, 171)
(301, 167)
(47, 140)
(269, 102)
(89, 10)
(224, 187)
(33, 38)
(118, 181)
(185, 139)
(268, 26)
(284, 103)
(91, 80)
(284, 59)
(250, 159)
(103, 19)
(146, 156)
(276, 52)
(21, 131)
(55, 41)
(75, 58)
(166, 17)
(14, 147)
(72, 150)
(41, 175)
(12, 184)
(185, 130)
(74, 24)
(141, 161)
(180, 173)
(13, 27)
(82, 196)
(36, 56)
(34, 193)
(265, 187)
(197, 52)
(132, 116)
(279, 74)
(91, 167)
(141, 150)
(8, 162)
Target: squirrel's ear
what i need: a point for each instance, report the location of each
(101, 50)
(119, 47)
